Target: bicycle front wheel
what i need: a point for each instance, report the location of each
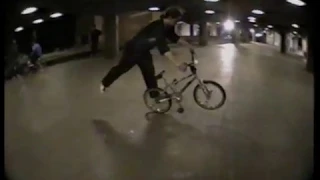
(157, 100)
(212, 92)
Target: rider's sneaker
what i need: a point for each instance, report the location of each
(102, 88)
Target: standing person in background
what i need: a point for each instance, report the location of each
(94, 36)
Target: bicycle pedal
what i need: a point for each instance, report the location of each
(180, 110)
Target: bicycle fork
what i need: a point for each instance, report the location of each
(204, 88)
(175, 96)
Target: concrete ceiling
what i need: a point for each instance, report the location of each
(278, 13)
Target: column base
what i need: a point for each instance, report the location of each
(203, 43)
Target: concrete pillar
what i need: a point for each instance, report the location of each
(253, 36)
(110, 32)
(310, 56)
(203, 34)
(246, 35)
(245, 32)
(191, 30)
(283, 43)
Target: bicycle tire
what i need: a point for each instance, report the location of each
(217, 85)
(146, 95)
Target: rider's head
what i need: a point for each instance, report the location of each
(172, 15)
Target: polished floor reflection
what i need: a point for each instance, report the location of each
(58, 126)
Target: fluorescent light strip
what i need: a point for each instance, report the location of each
(296, 2)
(29, 10)
(56, 15)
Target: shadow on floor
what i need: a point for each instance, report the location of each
(149, 160)
(215, 153)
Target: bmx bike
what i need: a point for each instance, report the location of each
(163, 102)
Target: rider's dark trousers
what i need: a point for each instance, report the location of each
(127, 61)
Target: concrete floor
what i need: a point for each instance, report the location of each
(58, 126)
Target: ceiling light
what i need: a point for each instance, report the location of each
(228, 25)
(270, 26)
(217, 22)
(259, 35)
(55, 15)
(295, 32)
(255, 25)
(257, 11)
(209, 11)
(154, 9)
(295, 25)
(37, 21)
(29, 10)
(296, 2)
(211, 0)
(251, 30)
(236, 21)
(18, 29)
(252, 20)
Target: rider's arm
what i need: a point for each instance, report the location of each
(164, 49)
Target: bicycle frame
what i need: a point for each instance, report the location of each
(193, 76)
(176, 82)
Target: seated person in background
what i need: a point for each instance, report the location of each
(36, 53)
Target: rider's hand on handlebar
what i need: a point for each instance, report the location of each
(183, 67)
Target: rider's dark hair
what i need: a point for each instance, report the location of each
(172, 12)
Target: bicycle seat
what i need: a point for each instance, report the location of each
(160, 75)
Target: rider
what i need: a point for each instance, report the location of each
(137, 50)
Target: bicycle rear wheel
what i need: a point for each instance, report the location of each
(207, 90)
(157, 100)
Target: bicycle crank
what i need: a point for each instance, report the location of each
(180, 109)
